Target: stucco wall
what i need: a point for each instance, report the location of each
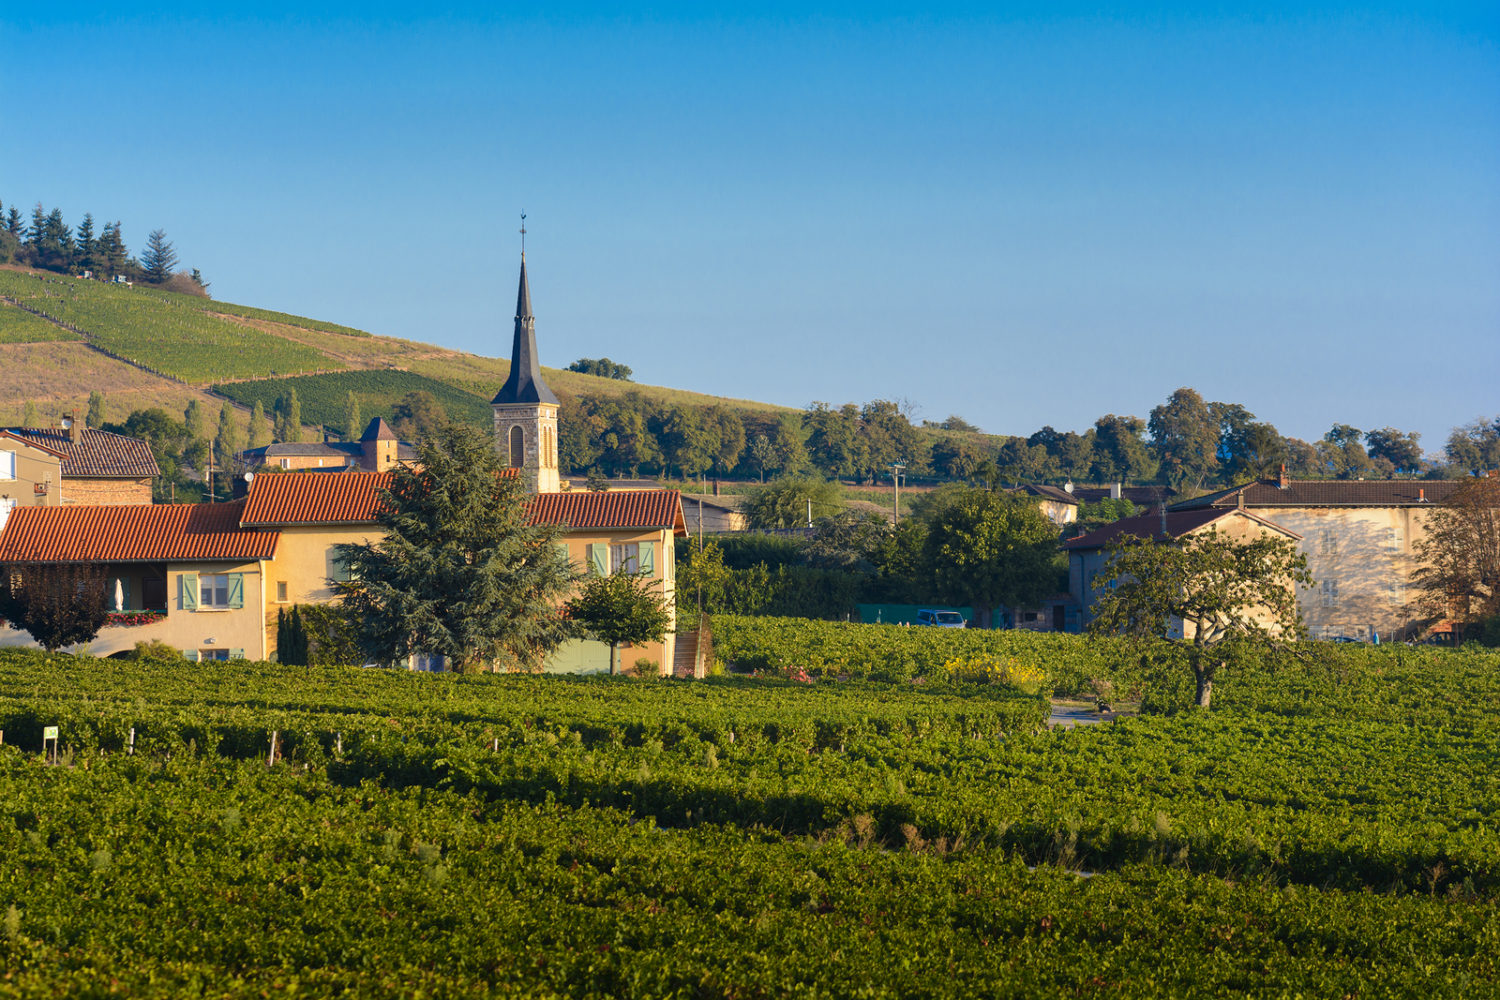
(238, 628)
(304, 562)
(1367, 554)
(33, 467)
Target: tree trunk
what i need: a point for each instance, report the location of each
(1205, 690)
(1204, 671)
(611, 659)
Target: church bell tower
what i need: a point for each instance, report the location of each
(525, 409)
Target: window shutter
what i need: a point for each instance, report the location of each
(188, 589)
(599, 558)
(236, 654)
(236, 590)
(647, 560)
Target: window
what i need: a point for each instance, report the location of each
(213, 590)
(7, 465)
(1330, 542)
(1393, 539)
(213, 654)
(286, 463)
(625, 557)
(280, 591)
(517, 447)
(1395, 592)
(1330, 593)
(6, 506)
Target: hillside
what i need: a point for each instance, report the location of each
(62, 337)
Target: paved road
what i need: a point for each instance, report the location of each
(1069, 714)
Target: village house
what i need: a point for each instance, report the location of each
(1088, 555)
(72, 464)
(377, 450)
(1359, 537)
(210, 579)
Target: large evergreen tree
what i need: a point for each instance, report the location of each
(159, 260)
(461, 571)
(86, 245)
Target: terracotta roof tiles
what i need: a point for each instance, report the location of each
(133, 533)
(96, 454)
(1330, 493)
(1178, 523)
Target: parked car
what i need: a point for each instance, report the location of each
(942, 619)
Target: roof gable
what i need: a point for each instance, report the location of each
(1177, 523)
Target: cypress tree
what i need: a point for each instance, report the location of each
(352, 424)
(227, 440)
(96, 417)
(260, 427)
(29, 417)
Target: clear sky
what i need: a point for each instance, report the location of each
(1023, 214)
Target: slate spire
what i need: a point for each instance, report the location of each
(525, 383)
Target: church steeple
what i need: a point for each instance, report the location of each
(525, 383)
(525, 408)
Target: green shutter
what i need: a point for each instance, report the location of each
(191, 654)
(599, 558)
(236, 590)
(648, 558)
(236, 654)
(188, 588)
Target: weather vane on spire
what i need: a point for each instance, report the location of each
(523, 234)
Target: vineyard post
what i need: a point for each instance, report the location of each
(130, 749)
(271, 757)
(338, 743)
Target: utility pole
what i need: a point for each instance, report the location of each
(897, 470)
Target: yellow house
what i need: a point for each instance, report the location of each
(1088, 555)
(314, 512)
(184, 574)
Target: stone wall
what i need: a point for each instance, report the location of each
(106, 492)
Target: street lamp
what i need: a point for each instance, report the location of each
(898, 469)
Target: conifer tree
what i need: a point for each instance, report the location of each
(461, 570)
(260, 427)
(29, 416)
(289, 417)
(160, 258)
(96, 417)
(111, 252)
(86, 245)
(13, 224)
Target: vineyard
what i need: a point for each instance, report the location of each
(322, 397)
(17, 326)
(1330, 831)
(173, 335)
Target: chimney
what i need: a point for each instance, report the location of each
(1163, 509)
(1286, 480)
(1239, 499)
(1116, 490)
(1068, 486)
(1421, 494)
(69, 424)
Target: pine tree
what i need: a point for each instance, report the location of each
(260, 427)
(352, 424)
(111, 252)
(38, 230)
(461, 571)
(96, 417)
(160, 258)
(86, 246)
(13, 223)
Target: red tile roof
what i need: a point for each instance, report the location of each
(291, 498)
(96, 454)
(1330, 493)
(1179, 523)
(133, 533)
(615, 509)
(279, 498)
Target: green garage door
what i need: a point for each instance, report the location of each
(579, 656)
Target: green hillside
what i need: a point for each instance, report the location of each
(203, 343)
(322, 396)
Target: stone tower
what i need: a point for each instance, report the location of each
(525, 409)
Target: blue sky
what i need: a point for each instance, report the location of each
(1026, 215)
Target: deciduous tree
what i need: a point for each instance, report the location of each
(1459, 574)
(1214, 588)
(989, 549)
(1185, 437)
(58, 604)
(620, 608)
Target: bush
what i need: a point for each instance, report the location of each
(157, 651)
(647, 668)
